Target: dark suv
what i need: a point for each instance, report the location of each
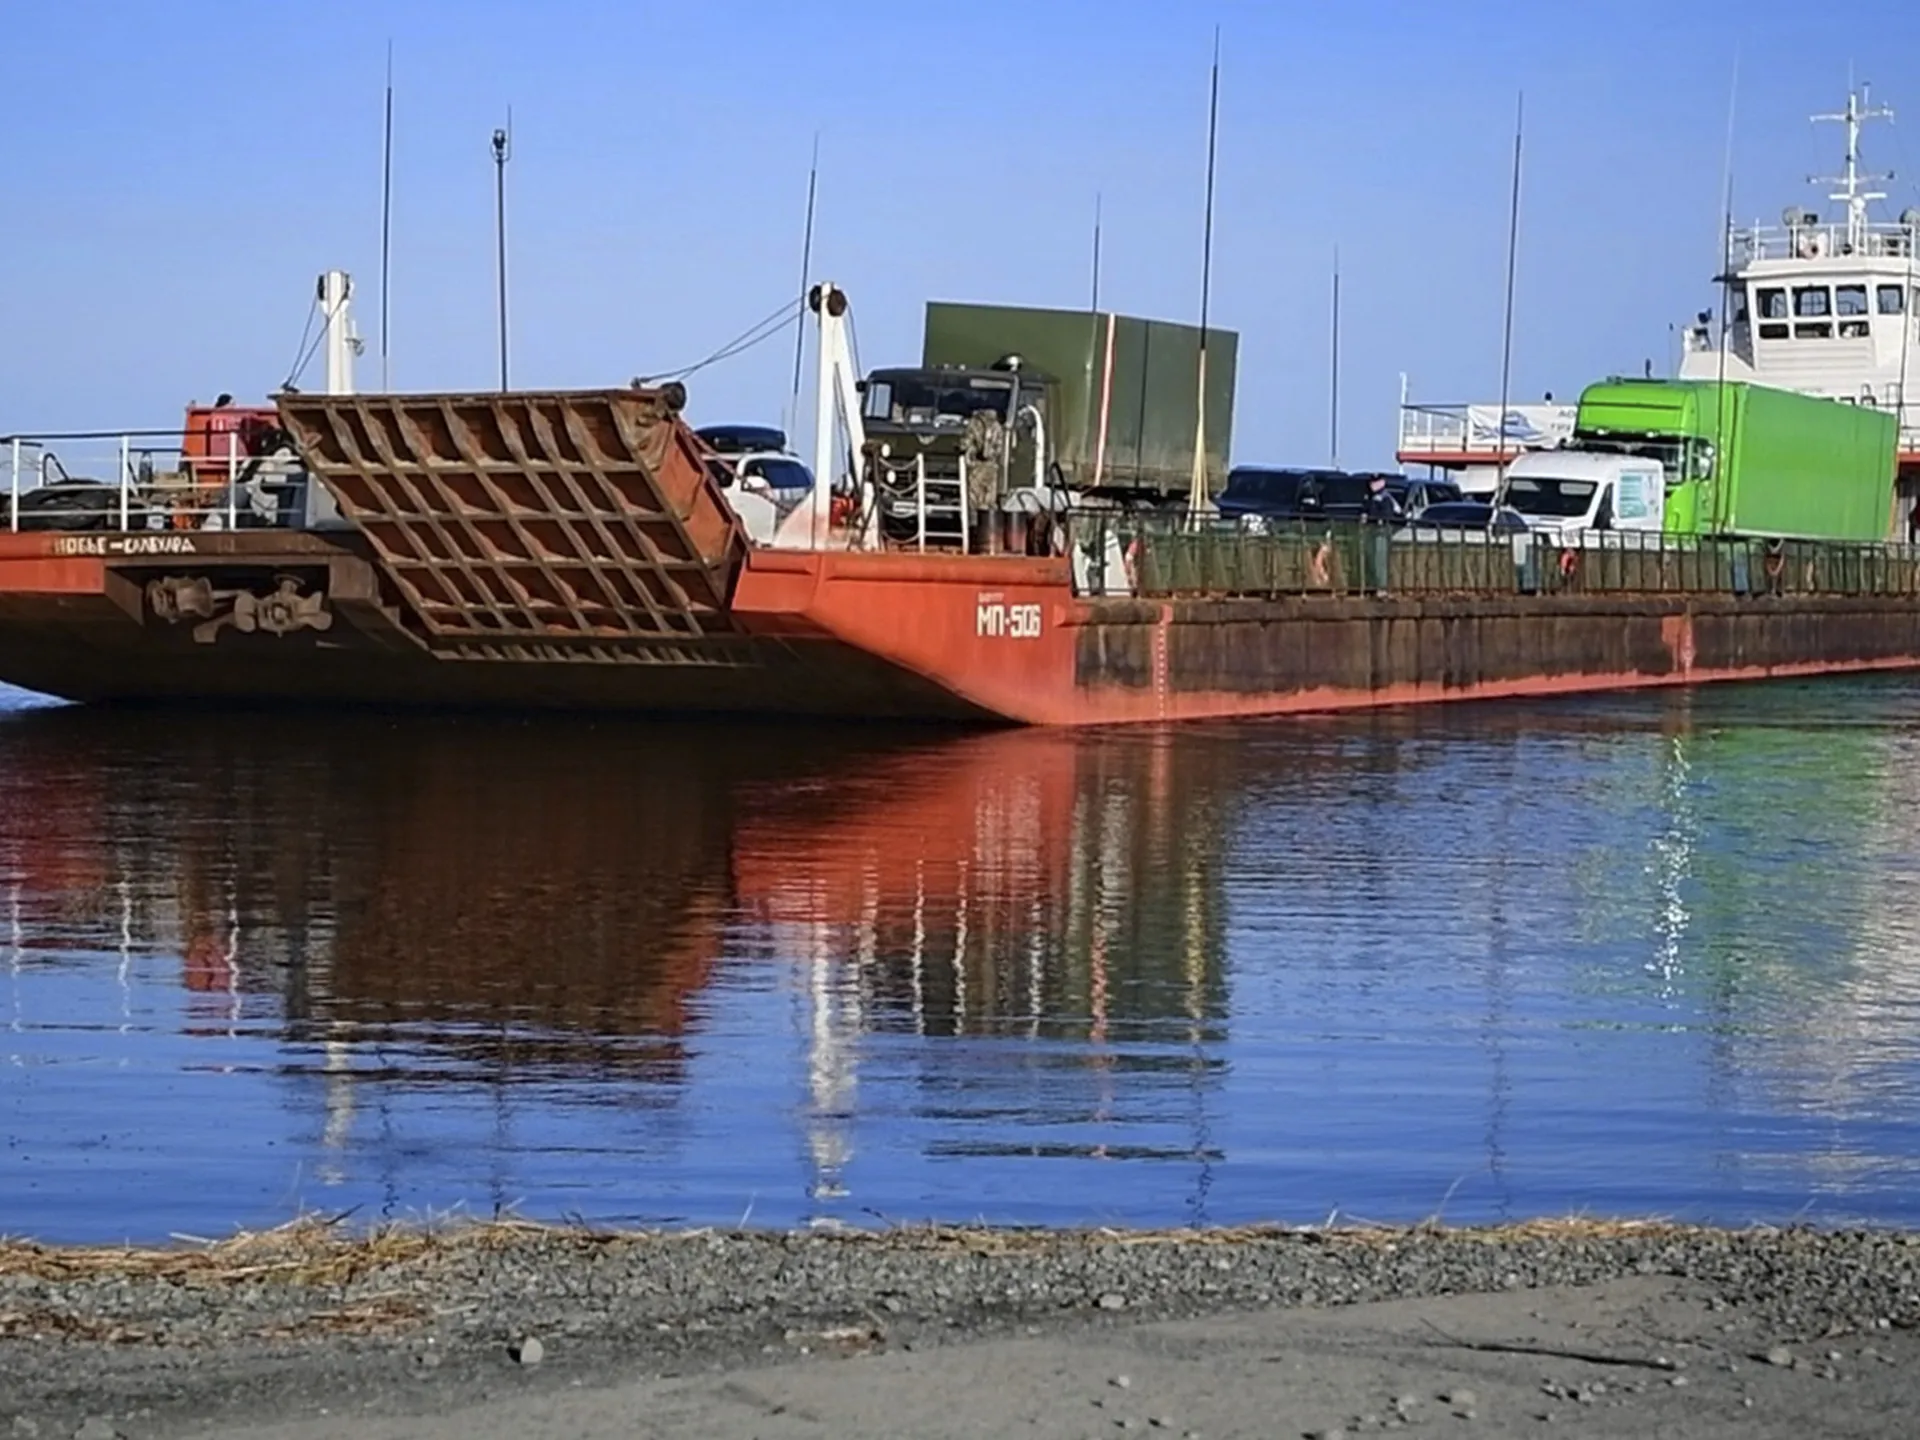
(1285, 495)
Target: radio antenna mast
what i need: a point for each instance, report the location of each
(1850, 182)
(1333, 423)
(1714, 515)
(1506, 336)
(806, 272)
(1095, 305)
(386, 223)
(1197, 500)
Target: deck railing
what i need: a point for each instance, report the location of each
(1826, 240)
(134, 480)
(1157, 558)
(1476, 430)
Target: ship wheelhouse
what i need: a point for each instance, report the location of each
(1825, 306)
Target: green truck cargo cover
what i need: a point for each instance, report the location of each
(1787, 464)
(1142, 376)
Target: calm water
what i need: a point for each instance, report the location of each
(1652, 953)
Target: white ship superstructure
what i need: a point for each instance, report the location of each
(1824, 305)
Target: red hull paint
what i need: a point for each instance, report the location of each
(923, 614)
(28, 566)
(933, 636)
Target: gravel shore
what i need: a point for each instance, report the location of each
(308, 1322)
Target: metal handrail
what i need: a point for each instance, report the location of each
(1169, 558)
(29, 457)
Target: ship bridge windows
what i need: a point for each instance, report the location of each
(1772, 301)
(1851, 300)
(1812, 302)
(1891, 300)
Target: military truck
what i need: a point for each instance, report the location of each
(1084, 404)
(1743, 459)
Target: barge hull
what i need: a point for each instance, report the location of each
(573, 550)
(891, 636)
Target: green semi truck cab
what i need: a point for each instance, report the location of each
(1749, 460)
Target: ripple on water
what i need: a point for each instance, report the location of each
(1629, 954)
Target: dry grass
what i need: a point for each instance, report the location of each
(312, 1252)
(308, 1251)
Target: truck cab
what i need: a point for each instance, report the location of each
(916, 429)
(1568, 493)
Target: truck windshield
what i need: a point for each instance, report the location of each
(1547, 495)
(905, 400)
(1669, 451)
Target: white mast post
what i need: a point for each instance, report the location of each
(343, 343)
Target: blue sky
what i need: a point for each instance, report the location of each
(180, 173)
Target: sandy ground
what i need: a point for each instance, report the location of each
(1364, 1369)
(1637, 1353)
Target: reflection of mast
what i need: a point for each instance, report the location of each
(16, 953)
(1193, 955)
(830, 1076)
(337, 1066)
(1672, 862)
(124, 973)
(835, 1017)
(1500, 989)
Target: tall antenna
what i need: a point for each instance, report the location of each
(1095, 304)
(502, 152)
(1333, 423)
(386, 222)
(1506, 336)
(806, 273)
(1902, 406)
(1726, 300)
(1859, 110)
(1197, 485)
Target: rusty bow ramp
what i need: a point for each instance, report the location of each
(535, 526)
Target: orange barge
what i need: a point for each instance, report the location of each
(575, 550)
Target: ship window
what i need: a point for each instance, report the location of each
(1890, 300)
(1773, 304)
(1813, 332)
(1773, 332)
(1739, 307)
(1853, 329)
(1812, 301)
(1850, 300)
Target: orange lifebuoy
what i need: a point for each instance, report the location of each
(1569, 563)
(1317, 563)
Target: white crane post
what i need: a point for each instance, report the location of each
(829, 303)
(336, 290)
(839, 399)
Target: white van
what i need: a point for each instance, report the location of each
(1565, 493)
